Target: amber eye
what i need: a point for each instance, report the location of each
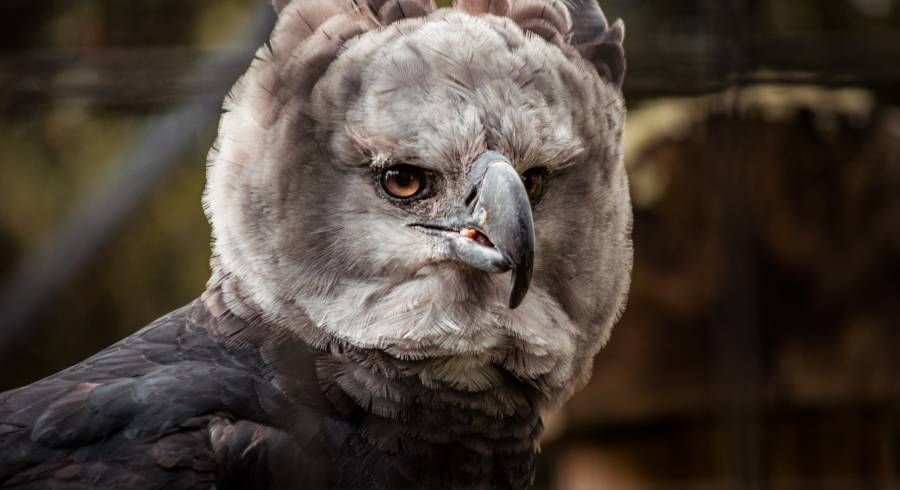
(534, 183)
(405, 181)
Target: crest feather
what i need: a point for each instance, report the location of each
(482, 7)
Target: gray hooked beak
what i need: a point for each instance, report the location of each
(495, 232)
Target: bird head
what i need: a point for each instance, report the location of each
(432, 183)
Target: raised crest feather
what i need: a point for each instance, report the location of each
(577, 23)
(389, 11)
(596, 40)
(480, 7)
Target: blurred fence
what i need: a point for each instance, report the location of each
(157, 147)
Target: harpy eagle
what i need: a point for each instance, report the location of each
(421, 228)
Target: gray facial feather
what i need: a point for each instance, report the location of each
(305, 236)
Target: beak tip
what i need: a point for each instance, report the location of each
(517, 293)
(515, 299)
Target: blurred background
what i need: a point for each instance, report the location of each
(760, 345)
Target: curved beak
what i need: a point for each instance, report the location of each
(495, 230)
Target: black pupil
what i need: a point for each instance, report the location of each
(528, 181)
(532, 181)
(403, 177)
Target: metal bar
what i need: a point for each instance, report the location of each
(133, 79)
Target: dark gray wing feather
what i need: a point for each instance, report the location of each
(165, 408)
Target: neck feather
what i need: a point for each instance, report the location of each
(404, 413)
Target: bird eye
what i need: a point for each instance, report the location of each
(534, 183)
(405, 181)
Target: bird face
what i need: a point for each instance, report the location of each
(449, 186)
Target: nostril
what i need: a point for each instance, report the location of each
(471, 197)
(477, 236)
